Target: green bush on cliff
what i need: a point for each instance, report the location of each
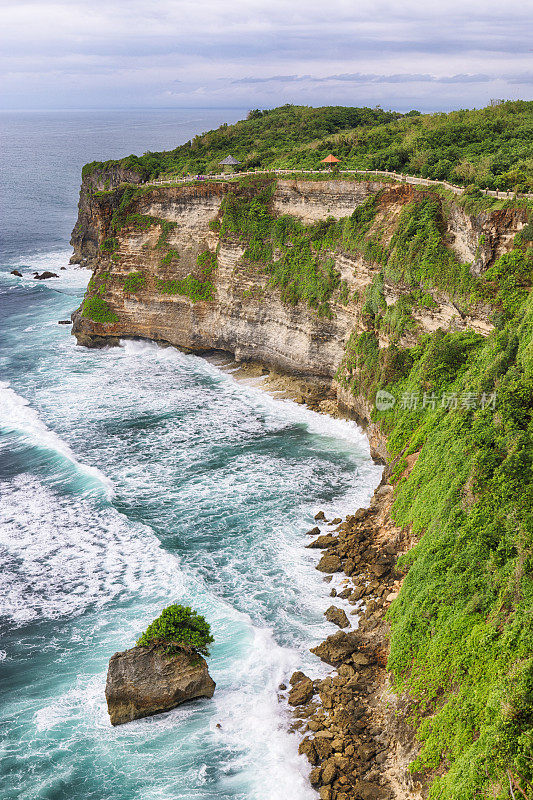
(109, 245)
(169, 257)
(190, 287)
(196, 288)
(178, 628)
(98, 310)
(134, 282)
(294, 255)
(419, 256)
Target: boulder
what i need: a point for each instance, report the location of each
(301, 693)
(329, 563)
(297, 677)
(336, 648)
(337, 616)
(314, 531)
(145, 681)
(327, 540)
(320, 516)
(17, 273)
(44, 275)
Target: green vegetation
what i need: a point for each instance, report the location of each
(94, 306)
(178, 628)
(109, 245)
(299, 259)
(98, 310)
(294, 255)
(489, 147)
(169, 257)
(134, 282)
(418, 255)
(462, 628)
(195, 288)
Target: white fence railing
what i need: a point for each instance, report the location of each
(396, 175)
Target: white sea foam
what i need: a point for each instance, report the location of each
(18, 416)
(56, 261)
(253, 724)
(62, 554)
(204, 454)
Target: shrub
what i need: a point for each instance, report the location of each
(134, 282)
(179, 628)
(189, 287)
(97, 309)
(109, 245)
(169, 257)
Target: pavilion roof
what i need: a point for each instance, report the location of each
(229, 161)
(329, 160)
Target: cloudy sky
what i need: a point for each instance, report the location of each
(401, 54)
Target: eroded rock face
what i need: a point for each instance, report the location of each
(145, 681)
(336, 648)
(246, 314)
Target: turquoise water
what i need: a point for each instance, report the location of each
(131, 478)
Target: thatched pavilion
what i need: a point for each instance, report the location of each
(229, 163)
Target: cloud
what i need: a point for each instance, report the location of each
(262, 52)
(360, 78)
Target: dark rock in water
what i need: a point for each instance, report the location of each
(64, 322)
(320, 515)
(301, 692)
(336, 648)
(145, 681)
(329, 563)
(297, 677)
(313, 532)
(17, 273)
(44, 275)
(337, 616)
(327, 540)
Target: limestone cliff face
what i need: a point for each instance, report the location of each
(246, 315)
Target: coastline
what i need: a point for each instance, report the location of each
(353, 727)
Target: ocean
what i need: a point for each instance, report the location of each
(132, 478)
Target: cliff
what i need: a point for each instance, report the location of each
(167, 230)
(420, 315)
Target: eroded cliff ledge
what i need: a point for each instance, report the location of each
(162, 234)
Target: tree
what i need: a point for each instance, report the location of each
(179, 628)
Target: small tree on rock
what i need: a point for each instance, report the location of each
(179, 628)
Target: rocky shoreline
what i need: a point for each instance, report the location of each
(355, 736)
(354, 727)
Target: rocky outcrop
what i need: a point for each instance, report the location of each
(96, 205)
(358, 739)
(246, 314)
(44, 275)
(145, 681)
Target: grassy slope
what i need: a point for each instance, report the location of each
(488, 147)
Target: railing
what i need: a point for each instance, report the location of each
(396, 175)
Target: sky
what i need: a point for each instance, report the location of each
(401, 54)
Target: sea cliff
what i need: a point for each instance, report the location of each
(416, 312)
